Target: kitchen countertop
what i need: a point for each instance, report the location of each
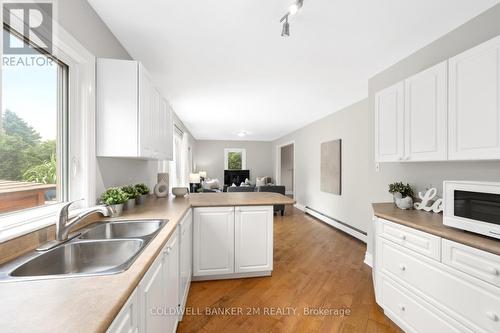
(89, 304)
(433, 224)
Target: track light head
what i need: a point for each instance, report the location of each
(286, 29)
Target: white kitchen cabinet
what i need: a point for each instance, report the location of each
(213, 241)
(131, 120)
(158, 291)
(426, 109)
(127, 321)
(389, 124)
(253, 243)
(474, 95)
(186, 258)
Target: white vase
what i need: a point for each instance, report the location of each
(403, 203)
(161, 188)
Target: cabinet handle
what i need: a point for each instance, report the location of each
(402, 307)
(167, 251)
(402, 267)
(406, 158)
(493, 271)
(492, 316)
(402, 236)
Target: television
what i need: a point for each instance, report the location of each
(235, 177)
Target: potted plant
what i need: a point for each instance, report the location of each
(132, 194)
(143, 192)
(114, 197)
(403, 195)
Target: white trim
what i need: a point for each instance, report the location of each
(81, 158)
(337, 225)
(243, 153)
(368, 259)
(231, 276)
(300, 207)
(278, 165)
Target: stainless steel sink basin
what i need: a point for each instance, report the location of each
(106, 247)
(124, 229)
(84, 257)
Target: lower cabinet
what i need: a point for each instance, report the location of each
(186, 259)
(450, 291)
(153, 306)
(232, 241)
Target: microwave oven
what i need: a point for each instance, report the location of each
(472, 206)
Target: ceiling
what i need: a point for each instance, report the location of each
(225, 68)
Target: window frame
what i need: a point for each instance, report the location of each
(243, 153)
(81, 165)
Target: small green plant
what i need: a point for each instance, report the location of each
(114, 196)
(142, 189)
(44, 173)
(399, 187)
(130, 191)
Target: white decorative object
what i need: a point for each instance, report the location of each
(161, 189)
(403, 203)
(427, 198)
(180, 191)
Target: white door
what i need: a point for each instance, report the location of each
(253, 243)
(127, 321)
(213, 241)
(152, 298)
(171, 273)
(474, 97)
(186, 258)
(426, 112)
(389, 124)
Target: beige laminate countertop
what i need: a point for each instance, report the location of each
(433, 224)
(89, 304)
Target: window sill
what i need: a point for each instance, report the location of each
(22, 223)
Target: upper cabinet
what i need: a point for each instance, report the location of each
(450, 111)
(475, 103)
(426, 104)
(389, 123)
(133, 119)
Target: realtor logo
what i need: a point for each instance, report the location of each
(32, 22)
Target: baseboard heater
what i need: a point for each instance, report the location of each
(355, 232)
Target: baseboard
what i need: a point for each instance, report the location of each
(231, 276)
(300, 207)
(369, 259)
(336, 224)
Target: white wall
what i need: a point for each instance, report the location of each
(210, 157)
(361, 184)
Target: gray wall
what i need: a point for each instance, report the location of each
(362, 185)
(210, 157)
(82, 22)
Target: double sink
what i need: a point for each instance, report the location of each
(102, 248)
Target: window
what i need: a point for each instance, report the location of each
(33, 130)
(235, 159)
(181, 165)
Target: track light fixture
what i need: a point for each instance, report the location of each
(292, 10)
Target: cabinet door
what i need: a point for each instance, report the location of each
(152, 298)
(171, 273)
(389, 124)
(253, 243)
(186, 258)
(156, 140)
(474, 95)
(426, 110)
(145, 114)
(213, 241)
(168, 132)
(127, 320)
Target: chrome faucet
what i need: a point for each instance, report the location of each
(64, 223)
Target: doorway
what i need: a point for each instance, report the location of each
(286, 167)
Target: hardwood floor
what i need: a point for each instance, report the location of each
(315, 267)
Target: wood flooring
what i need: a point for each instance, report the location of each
(316, 268)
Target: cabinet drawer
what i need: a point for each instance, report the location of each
(413, 314)
(480, 264)
(474, 303)
(418, 241)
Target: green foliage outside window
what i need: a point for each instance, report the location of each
(234, 161)
(23, 156)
